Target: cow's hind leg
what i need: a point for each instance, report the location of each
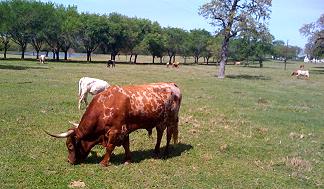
(159, 132)
(128, 157)
(169, 135)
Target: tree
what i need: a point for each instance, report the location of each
(4, 34)
(198, 39)
(262, 45)
(315, 33)
(155, 44)
(116, 36)
(54, 37)
(280, 50)
(69, 26)
(279, 47)
(174, 40)
(92, 29)
(232, 17)
(20, 23)
(212, 48)
(41, 18)
(259, 42)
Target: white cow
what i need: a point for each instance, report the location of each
(42, 59)
(298, 73)
(92, 86)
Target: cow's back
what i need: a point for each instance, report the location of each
(142, 105)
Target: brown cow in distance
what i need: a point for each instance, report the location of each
(116, 112)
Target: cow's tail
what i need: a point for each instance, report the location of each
(177, 99)
(175, 133)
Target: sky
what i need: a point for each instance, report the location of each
(287, 16)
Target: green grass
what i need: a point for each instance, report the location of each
(257, 128)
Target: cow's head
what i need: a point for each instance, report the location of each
(77, 150)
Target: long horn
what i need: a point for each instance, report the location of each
(76, 125)
(61, 135)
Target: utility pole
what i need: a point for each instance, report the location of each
(286, 55)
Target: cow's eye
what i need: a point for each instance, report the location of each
(70, 147)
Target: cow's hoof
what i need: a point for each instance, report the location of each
(156, 156)
(127, 162)
(104, 164)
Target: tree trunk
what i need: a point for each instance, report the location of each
(207, 58)
(37, 54)
(23, 49)
(65, 55)
(135, 59)
(5, 53)
(130, 58)
(161, 59)
(170, 59)
(153, 59)
(57, 55)
(221, 71)
(53, 51)
(261, 63)
(88, 56)
(6, 47)
(227, 36)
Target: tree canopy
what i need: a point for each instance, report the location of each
(232, 17)
(315, 33)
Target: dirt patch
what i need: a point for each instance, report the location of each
(298, 164)
(77, 184)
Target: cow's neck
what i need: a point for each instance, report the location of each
(87, 142)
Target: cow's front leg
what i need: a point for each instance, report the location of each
(110, 143)
(128, 157)
(109, 148)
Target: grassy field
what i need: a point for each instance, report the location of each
(257, 128)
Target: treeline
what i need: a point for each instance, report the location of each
(57, 28)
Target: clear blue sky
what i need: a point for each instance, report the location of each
(286, 18)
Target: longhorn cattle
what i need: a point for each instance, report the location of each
(300, 73)
(111, 63)
(42, 58)
(92, 86)
(116, 112)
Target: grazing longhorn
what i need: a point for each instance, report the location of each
(300, 73)
(118, 111)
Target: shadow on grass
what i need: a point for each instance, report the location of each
(12, 67)
(248, 77)
(140, 155)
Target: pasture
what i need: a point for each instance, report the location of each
(257, 128)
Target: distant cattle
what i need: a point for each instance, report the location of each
(300, 73)
(92, 86)
(42, 58)
(302, 66)
(111, 63)
(174, 64)
(116, 112)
